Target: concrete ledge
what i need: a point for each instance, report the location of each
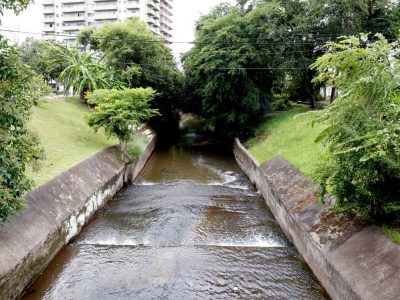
(57, 211)
(351, 261)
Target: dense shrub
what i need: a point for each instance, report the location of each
(18, 147)
(363, 138)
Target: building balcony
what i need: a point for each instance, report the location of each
(133, 13)
(165, 33)
(165, 20)
(132, 5)
(68, 27)
(166, 3)
(72, 1)
(110, 6)
(151, 4)
(49, 18)
(48, 29)
(102, 22)
(80, 17)
(109, 16)
(150, 12)
(74, 8)
(48, 10)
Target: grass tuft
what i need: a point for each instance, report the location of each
(392, 233)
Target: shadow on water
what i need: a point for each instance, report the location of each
(192, 226)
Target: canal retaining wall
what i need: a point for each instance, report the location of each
(57, 211)
(350, 260)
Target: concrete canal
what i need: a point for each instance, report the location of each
(191, 227)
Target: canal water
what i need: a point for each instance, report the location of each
(191, 227)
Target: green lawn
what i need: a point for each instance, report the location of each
(293, 138)
(64, 135)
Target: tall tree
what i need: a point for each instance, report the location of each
(234, 65)
(144, 60)
(316, 22)
(46, 58)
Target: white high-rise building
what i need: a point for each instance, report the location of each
(64, 18)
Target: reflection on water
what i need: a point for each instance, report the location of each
(191, 227)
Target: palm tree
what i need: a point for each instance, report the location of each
(84, 73)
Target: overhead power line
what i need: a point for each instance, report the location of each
(256, 41)
(215, 68)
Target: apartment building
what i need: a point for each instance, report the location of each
(64, 18)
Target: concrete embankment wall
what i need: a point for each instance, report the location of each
(351, 262)
(56, 213)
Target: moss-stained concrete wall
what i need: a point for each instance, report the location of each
(56, 213)
(351, 261)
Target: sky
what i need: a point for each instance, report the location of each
(185, 14)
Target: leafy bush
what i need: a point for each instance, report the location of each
(39, 88)
(18, 147)
(363, 138)
(118, 111)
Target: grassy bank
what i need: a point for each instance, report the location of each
(293, 138)
(64, 135)
(289, 134)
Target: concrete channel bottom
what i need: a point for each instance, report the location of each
(191, 227)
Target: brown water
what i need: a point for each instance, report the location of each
(191, 227)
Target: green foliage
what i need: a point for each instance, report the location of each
(38, 89)
(144, 60)
(137, 144)
(18, 147)
(315, 22)
(392, 233)
(363, 134)
(16, 5)
(119, 111)
(46, 58)
(85, 73)
(229, 77)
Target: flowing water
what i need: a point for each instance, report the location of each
(191, 227)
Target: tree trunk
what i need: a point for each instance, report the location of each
(325, 93)
(313, 91)
(82, 95)
(333, 94)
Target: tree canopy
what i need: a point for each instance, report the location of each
(84, 73)
(16, 5)
(46, 58)
(143, 60)
(119, 111)
(230, 74)
(18, 148)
